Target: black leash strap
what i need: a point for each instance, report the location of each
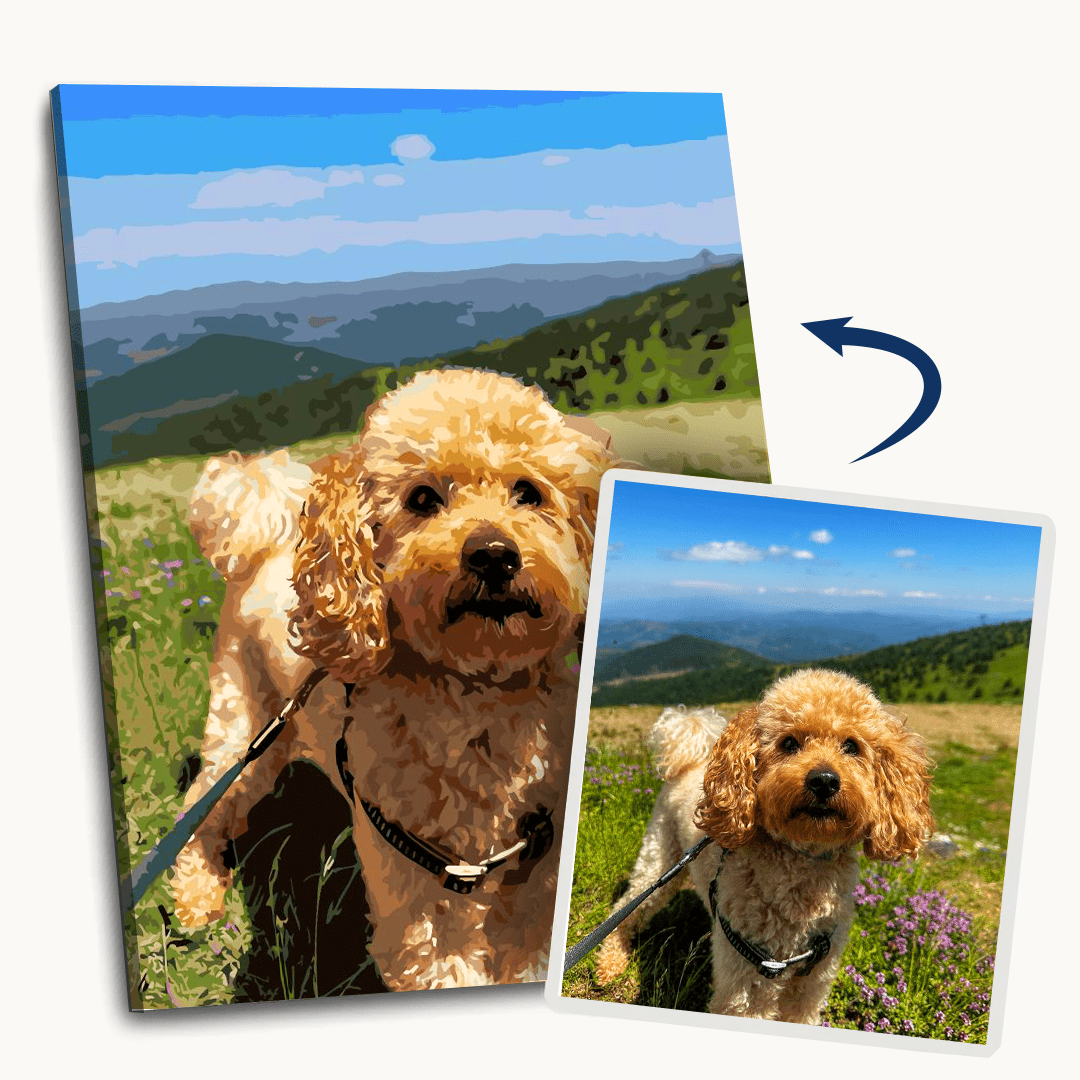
(586, 945)
(163, 854)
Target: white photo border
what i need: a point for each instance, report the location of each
(578, 1006)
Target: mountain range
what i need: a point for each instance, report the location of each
(379, 320)
(787, 637)
(687, 340)
(985, 663)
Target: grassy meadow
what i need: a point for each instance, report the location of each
(300, 908)
(296, 925)
(920, 958)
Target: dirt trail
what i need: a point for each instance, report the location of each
(982, 727)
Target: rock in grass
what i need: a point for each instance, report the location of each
(943, 845)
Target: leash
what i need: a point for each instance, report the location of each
(819, 943)
(163, 854)
(586, 945)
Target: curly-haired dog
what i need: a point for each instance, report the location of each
(790, 790)
(438, 572)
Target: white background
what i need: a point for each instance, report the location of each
(914, 167)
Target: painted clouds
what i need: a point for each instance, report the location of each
(649, 202)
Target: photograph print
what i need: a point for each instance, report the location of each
(822, 701)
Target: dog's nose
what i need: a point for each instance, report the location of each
(823, 784)
(491, 556)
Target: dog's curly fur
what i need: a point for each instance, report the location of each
(791, 789)
(441, 566)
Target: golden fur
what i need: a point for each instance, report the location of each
(441, 565)
(792, 788)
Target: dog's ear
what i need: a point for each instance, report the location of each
(902, 822)
(728, 809)
(340, 618)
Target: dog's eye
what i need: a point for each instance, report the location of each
(424, 500)
(850, 746)
(789, 745)
(527, 494)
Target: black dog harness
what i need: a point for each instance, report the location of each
(817, 947)
(534, 829)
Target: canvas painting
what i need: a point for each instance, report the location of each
(803, 739)
(350, 365)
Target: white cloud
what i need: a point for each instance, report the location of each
(761, 588)
(915, 594)
(555, 159)
(779, 550)
(389, 180)
(262, 187)
(706, 223)
(821, 536)
(835, 590)
(133, 244)
(412, 147)
(720, 551)
(710, 586)
(344, 177)
(903, 553)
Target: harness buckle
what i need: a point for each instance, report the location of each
(464, 873)
(820, 944)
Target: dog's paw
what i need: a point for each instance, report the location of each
(611, 960)
(198, 892)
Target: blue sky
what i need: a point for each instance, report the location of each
(179, 187)
(672, 546)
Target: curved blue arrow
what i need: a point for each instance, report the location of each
(836, 334)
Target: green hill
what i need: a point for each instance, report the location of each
(211, 367)
(679, 653)
(986, 663)
(690, 341)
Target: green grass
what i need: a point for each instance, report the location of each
(295, 924)
(670, 968)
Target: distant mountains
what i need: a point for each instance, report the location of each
(791, 636)
(688, 340)
(984, 663)
(381, 320)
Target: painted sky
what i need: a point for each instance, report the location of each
(669, 546)
(172, 187)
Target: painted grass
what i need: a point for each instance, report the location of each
(971, 798)
(296, 924)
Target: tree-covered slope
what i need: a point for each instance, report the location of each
(690, 341)
(679, 653)
(986, 663)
